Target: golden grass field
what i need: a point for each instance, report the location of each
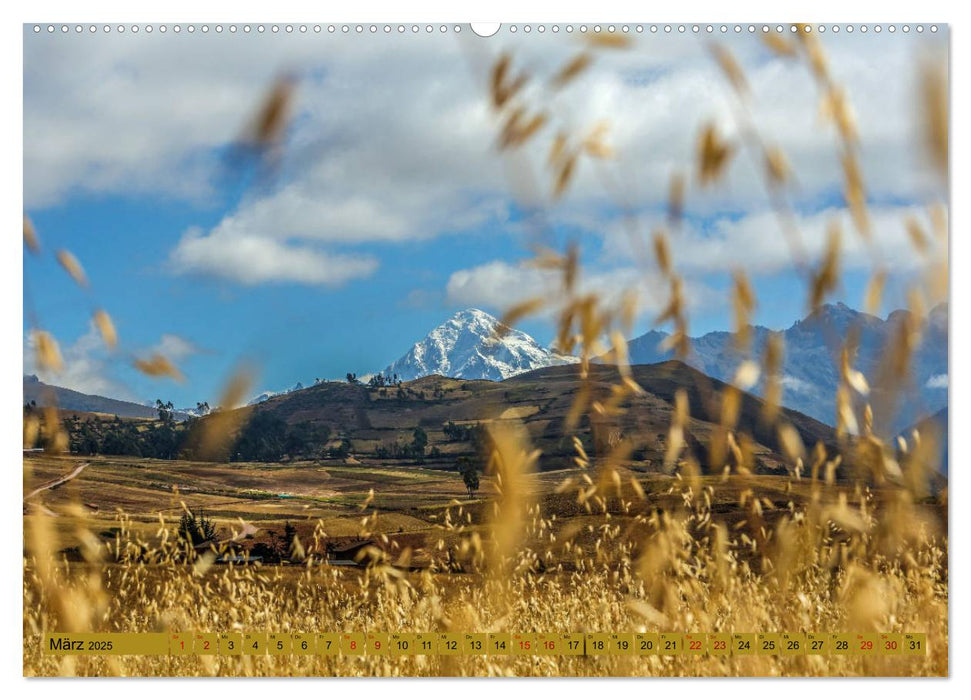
(621, 567)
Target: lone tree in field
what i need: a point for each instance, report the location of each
(418, 444)
(470, 475)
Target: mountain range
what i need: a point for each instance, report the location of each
(811, 368)
(466, 346)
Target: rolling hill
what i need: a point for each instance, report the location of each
(374, 419)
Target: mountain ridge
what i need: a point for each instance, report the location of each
(811, 372)
(71, 400)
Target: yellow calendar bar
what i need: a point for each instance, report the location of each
(303, 644)
(915, 643)
(401, 644)
(500, 643)
(278, 644)
(254, 643)
(476, 644)
(328, 643)
(523, 644)
(353, 644)
(229, 644)
(142, 644)
(793, 644)
(451, 644)
(205, 644)
(695, 644)
(646, 643)
(590, 644)
(818, 643)
(720, 644)
(378, 644)
(671, 643)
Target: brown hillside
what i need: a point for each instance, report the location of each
(371, 417)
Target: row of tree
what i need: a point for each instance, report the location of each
(264, 438)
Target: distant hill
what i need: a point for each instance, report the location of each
(466, 347)
(70, 400)
(811, 366)
(375, 419)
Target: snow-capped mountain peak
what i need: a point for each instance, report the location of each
(466, 346)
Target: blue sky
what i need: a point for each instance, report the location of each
(391, 209)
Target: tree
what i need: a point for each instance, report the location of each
(470, 475)
(352, 378)
(195, 530)
(306, 439)
(166, 411)
(202, 408)
(418, 443)
(262, 439)
(342, 451)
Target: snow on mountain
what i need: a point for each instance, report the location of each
(466, 347)
(810, 369)
(267, 395)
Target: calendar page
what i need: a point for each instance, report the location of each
(424, 349)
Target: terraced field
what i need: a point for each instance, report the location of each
(404, 502)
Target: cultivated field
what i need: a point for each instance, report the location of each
(607, 568)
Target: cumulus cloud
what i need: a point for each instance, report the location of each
(498, 285)
(937, 381)
(755, 242)
(394, 139)
(253, 259)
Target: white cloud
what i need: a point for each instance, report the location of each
(756, 242)
(393, 139)
(498, 285)
(938, 381)
(253, 259)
